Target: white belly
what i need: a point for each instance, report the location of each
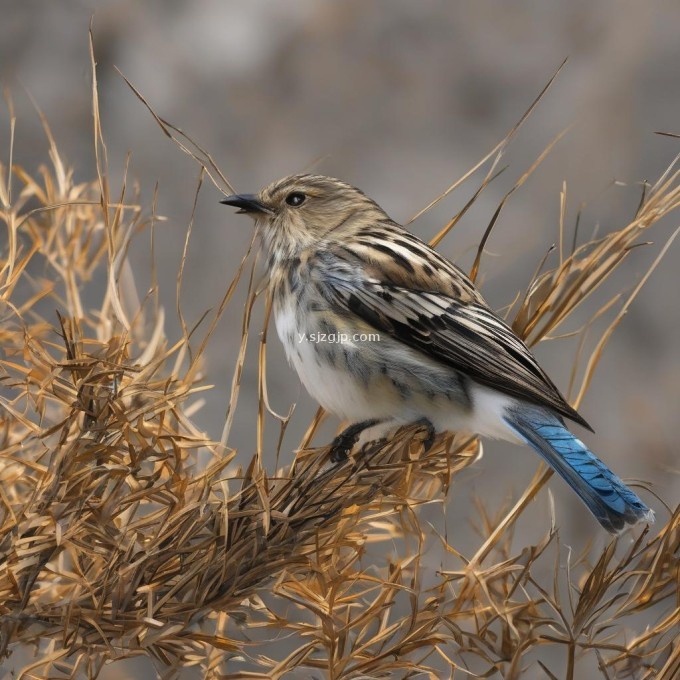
(402, 386)
(333, 387)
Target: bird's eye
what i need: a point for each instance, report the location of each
(295, 198)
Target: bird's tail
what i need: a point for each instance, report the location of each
(606, 496)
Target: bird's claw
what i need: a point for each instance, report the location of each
(340, 448)
(430, 433)
(345, 441)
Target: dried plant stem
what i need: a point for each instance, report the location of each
(117, 539)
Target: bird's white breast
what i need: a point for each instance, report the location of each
(350, 398)
(333, 387)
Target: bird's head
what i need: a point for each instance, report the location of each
(299, 211)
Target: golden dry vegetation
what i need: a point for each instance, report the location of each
(125, 532)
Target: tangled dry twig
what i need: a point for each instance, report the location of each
(117, 539)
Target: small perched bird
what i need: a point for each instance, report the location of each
(382, 329)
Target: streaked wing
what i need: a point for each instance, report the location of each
(465, 335)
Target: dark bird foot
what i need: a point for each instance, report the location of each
(430, 433)
(345, 441)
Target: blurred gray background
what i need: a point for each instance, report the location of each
(400, 98)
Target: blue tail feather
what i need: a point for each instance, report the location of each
(606, 496)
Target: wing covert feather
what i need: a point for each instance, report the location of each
(466, 335)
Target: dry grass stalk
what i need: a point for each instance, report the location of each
(115, 542)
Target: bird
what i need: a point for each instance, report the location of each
(384, 330)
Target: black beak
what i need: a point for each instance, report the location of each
(247, 203)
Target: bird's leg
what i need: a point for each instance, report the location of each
(344, 442)
(430, 433)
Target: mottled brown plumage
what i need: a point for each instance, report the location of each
(383, 330)
(365, 263)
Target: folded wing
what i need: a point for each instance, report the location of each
(464, 334)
